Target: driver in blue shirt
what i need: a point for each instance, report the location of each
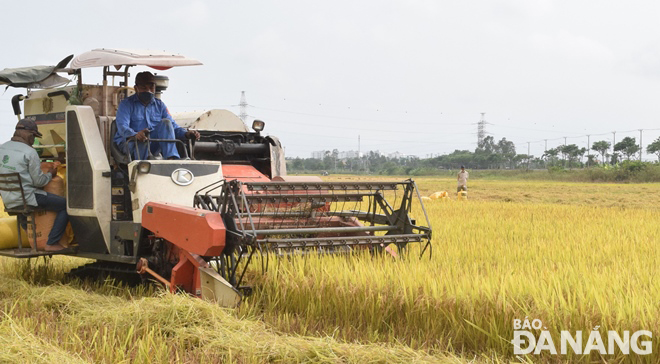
(142, 113)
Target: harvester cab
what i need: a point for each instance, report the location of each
(194, 223)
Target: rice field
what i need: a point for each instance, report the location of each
(574, 255)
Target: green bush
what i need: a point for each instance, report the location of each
(425, 171)
(627, 171)
(634, 166)
(557, 169)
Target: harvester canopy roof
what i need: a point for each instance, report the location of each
(35, 76)
(159, 60)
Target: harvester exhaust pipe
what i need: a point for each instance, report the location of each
(15, 103)
(162, 82)
(228, 148)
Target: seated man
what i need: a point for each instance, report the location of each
(142, 113)
(17, 155)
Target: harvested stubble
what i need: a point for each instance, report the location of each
(62, 324)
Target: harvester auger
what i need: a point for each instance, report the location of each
(194, 224)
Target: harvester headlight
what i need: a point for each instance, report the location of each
(258, 125)
(144, 167)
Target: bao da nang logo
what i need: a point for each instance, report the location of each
(578, 342)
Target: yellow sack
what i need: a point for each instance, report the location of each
(9, 234)
(2, 209)
(462, 195)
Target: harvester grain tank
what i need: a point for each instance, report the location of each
(197, 223)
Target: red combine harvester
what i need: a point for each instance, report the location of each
(194, 224)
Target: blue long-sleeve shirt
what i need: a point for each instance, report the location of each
(133, 116)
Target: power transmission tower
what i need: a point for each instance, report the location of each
(588, 148)
(641, 149)
(613, 142)
(528, 155)
(481, 129)
(243, 106)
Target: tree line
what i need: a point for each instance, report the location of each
(489, 154)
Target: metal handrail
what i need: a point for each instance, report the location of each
(148, 142)
(7, 179)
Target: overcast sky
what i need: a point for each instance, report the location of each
(407, 76)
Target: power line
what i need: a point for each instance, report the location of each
(417, 132)
(353, 119)
(532, 129)
(381, 140)
(354, 108)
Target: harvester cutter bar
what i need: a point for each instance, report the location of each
(341, 241)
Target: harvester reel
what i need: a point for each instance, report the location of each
(299, 218)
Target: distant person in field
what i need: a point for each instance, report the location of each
(462, 180)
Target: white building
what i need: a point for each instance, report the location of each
(349, 154)
(318, 154)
